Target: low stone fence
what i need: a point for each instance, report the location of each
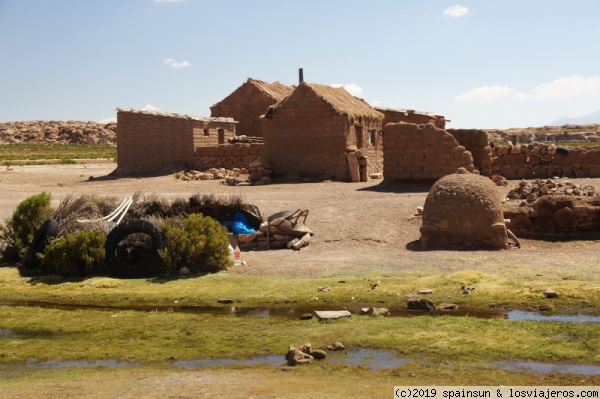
(545, 160)
(559, 216)
(227, 156)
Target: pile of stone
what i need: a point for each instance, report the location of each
(76, 132)
(357, 163)
(545, 152)
(303, 353)
(215, 174)
(260, 171)
(531, 191)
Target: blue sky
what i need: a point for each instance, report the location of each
(480, 63)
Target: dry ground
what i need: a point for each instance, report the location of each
(360, 229)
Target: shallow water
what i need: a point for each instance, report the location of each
(547, 368)
(534, 316)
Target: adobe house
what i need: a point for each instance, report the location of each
(156, 142)
(307, 133)
(248, 102)
(411, 116)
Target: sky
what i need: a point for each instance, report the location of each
(480, 63)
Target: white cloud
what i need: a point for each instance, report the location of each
(486, 94)
(151, 108)
(567, 88)
(108, 120)
(351, 88)
(564, 88)
(456, 11)
(175, 64)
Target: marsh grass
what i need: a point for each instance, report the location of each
(149, 337)
(64, 153)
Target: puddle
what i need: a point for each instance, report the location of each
(374, 359)
(547, 368)
(534, 316)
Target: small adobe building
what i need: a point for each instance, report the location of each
(308, 133)
(393, 115)
(248, 102)
(156, 142)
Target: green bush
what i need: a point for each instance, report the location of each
(17, 232)
(198, 244)
(78, 254)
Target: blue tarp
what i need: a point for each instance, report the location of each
(241, 224)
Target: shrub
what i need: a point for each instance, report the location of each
(198, 244)
(78, 254)
(18, 231)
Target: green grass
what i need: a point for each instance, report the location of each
(36, 153)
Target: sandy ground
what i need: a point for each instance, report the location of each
(360, 228)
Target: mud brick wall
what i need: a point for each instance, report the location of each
(416, 152)
(411, 116)
(476, 142)
(543, 160)
(157, 142)
(227, 156)
(555, 216)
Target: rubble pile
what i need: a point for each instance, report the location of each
(75, 132)
(260, 171)
(531, 191)
(288, 231)
(214, 174)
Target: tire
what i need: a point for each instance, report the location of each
(137, 260)
(47, 231)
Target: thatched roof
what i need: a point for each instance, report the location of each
(340, 101)
(277, 90)
(409, 112)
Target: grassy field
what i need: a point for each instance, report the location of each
(41, 153)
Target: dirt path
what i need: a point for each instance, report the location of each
(360, 229)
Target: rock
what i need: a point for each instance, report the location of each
(375, 311)
(417, 303)
(224, 301)
(548, 293)
(306, 316)
(425, 292)
(447, 306)
(296, 356)
(332, 314)
(184, 271)
(324, 289)
(336, 346)
(318, 354)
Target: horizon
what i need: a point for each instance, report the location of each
(495, 65)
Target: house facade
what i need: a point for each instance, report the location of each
(309, 132)
(248, 102)
(156, 142)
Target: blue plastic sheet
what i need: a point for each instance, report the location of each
(241, 224)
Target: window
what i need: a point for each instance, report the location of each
(206, 132)
(221, 136)
(372, 138)
(359, 135)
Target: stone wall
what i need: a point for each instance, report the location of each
(561, 216)
(413, 151)
(227, 156)
(153, 142)
(543, 160)
(476, 142)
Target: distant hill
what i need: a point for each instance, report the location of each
(594, 117)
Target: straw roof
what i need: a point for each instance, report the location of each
(276, 90)
(338, 99)
(176, 115)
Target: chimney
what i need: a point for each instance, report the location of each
(300, 76)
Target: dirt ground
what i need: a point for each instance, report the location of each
(361, 229)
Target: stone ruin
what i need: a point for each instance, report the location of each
(463, 211)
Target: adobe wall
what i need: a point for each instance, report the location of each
(476, 142)
(544, 160)
(245, 105)
(156, 142)
(227, 156)
(413, 151)
(560, 216)
(411, 116)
